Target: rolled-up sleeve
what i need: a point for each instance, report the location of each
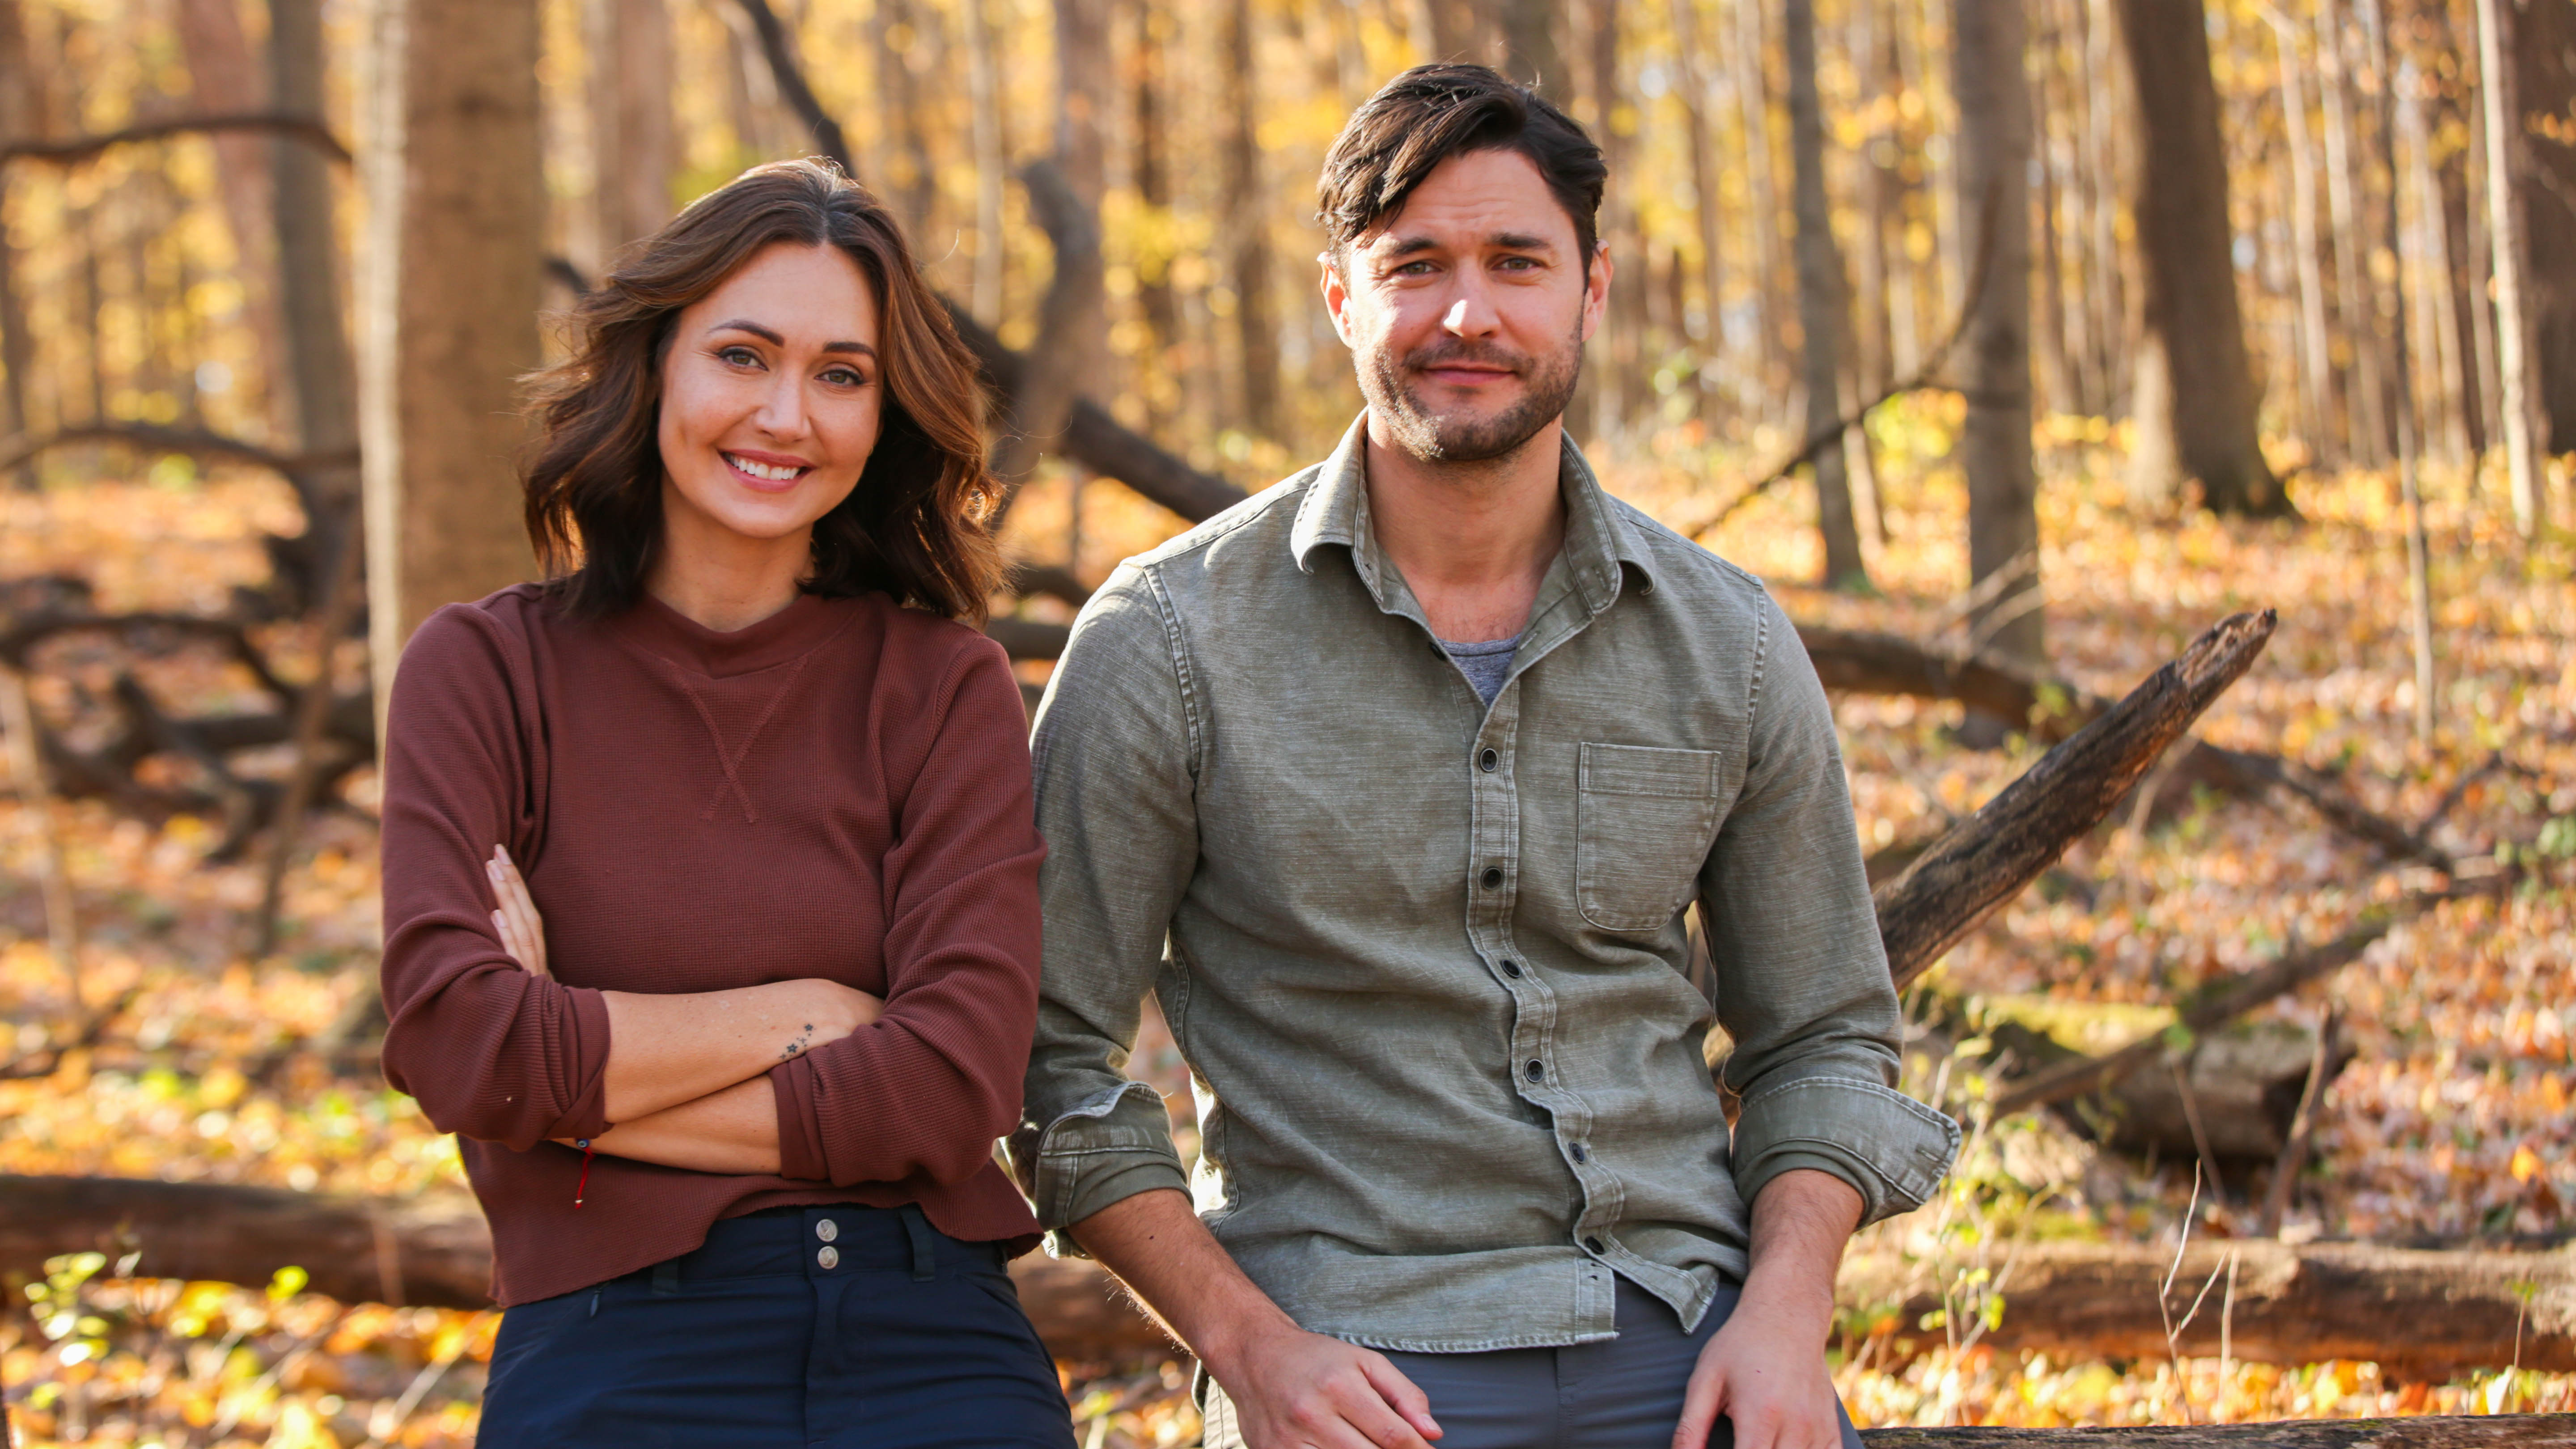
(923, 1091)
(1114, 751)
(492, 1052)
(1802, 981)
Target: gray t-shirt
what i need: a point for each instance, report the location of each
(1486, 664)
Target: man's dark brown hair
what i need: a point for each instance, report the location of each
(915, 528)
(1433, 112)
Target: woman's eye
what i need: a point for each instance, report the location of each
(738, 356)
(844, 377)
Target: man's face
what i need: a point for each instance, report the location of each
(1467, 311)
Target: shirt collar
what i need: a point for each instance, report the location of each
(1600, 540)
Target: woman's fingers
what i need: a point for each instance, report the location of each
(523, 930)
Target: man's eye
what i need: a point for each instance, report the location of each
(1519, 264)
(1416, 269)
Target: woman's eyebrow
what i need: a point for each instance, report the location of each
(771, 336)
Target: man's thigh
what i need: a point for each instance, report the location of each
(1623, 1394)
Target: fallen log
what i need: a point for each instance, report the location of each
(1986, 859)
(2419, 1315)
(431, 1251)
(2246, 1078)
(2430, 1314)
(2522, 1431)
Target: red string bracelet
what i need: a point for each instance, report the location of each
(579, 1187)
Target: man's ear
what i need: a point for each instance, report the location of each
(1337, 292)
(1596, 289)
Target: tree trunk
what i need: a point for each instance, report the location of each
(1256, 338)
(2545, 91)
(897, 32)
(18, 121)
(2429, 1314)
(450, 289)
(1762, 193)
(2196, 399)
(2316, 358)
(633, 147)
(2522, 1431)
(2501, 119)
(1698, 93)
(318, 362)
(1821, 308)
(1530, 52)
(1622, 342)
(223, 77)
(2419, 1315)
(1992, 167)
(991, 158)
(2419, 585)
(2365, 400)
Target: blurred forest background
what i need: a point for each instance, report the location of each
(2014, 342)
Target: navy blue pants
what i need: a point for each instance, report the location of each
(798, 1328)
(1623, 1393)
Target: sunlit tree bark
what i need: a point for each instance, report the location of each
(449, 287)
(2194, 401)
(1821, 303)
(1993, 166)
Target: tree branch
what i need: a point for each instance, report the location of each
(1092, 437)
(193, 442)
(1988, 858)
(1068, 322)
(308, 129)
(1922, 377)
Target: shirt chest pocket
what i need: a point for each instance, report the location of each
(1644, 821)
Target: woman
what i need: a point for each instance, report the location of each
(730, 1103)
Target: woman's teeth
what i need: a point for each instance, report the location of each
(765, 471)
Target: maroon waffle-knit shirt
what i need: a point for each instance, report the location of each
(839, 791)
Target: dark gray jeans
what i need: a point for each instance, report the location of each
(1622, 1394)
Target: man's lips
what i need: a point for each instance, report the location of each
(1465, 374)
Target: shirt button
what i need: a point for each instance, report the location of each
(1487, 761)
(830, 1258)
(827, 1230)
(1512, 969)
(1579, 1154)
(1536, 1071)
(1493, 876)
(1595, 1245)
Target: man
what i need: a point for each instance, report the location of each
(1393, 783)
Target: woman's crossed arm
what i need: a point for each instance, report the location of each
(687, 1081)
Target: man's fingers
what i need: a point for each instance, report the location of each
(1410, 1404)
(1705, 1395)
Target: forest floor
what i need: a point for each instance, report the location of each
(2451, 1124)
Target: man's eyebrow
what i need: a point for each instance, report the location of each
(770, 336)
(1520, 241)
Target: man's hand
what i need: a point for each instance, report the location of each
(1291, 1389)
(1765, 1369)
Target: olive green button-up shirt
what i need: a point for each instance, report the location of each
(1425, 957)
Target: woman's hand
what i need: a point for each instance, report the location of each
(523, 931)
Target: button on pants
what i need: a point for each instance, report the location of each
(1624, 1393)
(805, 1328)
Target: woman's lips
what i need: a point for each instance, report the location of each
(755, 481)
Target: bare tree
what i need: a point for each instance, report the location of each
(1256, 337)
(449, 282)
(2316, 354)
(991, 155)
(318, 363)
(2501, 118)
(2194, 401)
(2365, 398)
(1993, 167)
(224, 78)
(633, 147)
(18, 120)
(1822, 306)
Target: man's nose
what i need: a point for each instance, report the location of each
(1471, 312)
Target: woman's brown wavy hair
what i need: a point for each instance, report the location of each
(915, 527)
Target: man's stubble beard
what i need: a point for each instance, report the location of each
(1436, 439)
